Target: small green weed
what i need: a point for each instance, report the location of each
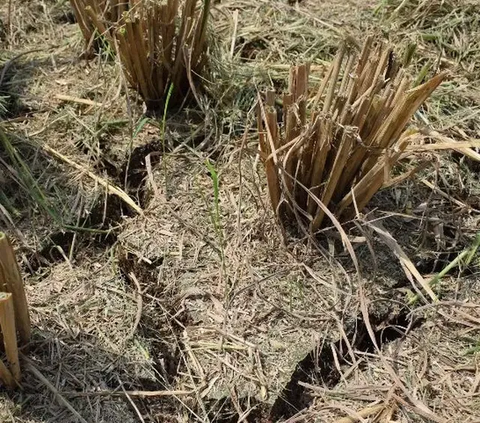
(463, 260)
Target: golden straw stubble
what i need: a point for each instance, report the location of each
(338, 145)
(9, 333)
(11, 281)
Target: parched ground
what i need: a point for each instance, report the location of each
(195, 310)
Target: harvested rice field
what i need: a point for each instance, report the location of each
(243, 211)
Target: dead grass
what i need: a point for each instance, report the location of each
(249, 323)
(449, 26)
(227, 314)
(429, 375)
(83, 314)
(446, 35)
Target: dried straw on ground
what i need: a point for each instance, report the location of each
(446, 33)
(335, 149)
(429, 375)
(84, 308)
(451, 26)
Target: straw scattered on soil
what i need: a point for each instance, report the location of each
(212, 310)
(430, 374)
(82, 313)
(446, 35)
(257, 313)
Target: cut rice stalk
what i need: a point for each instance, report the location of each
(11, 281)
(338, 147)
(159, 45)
